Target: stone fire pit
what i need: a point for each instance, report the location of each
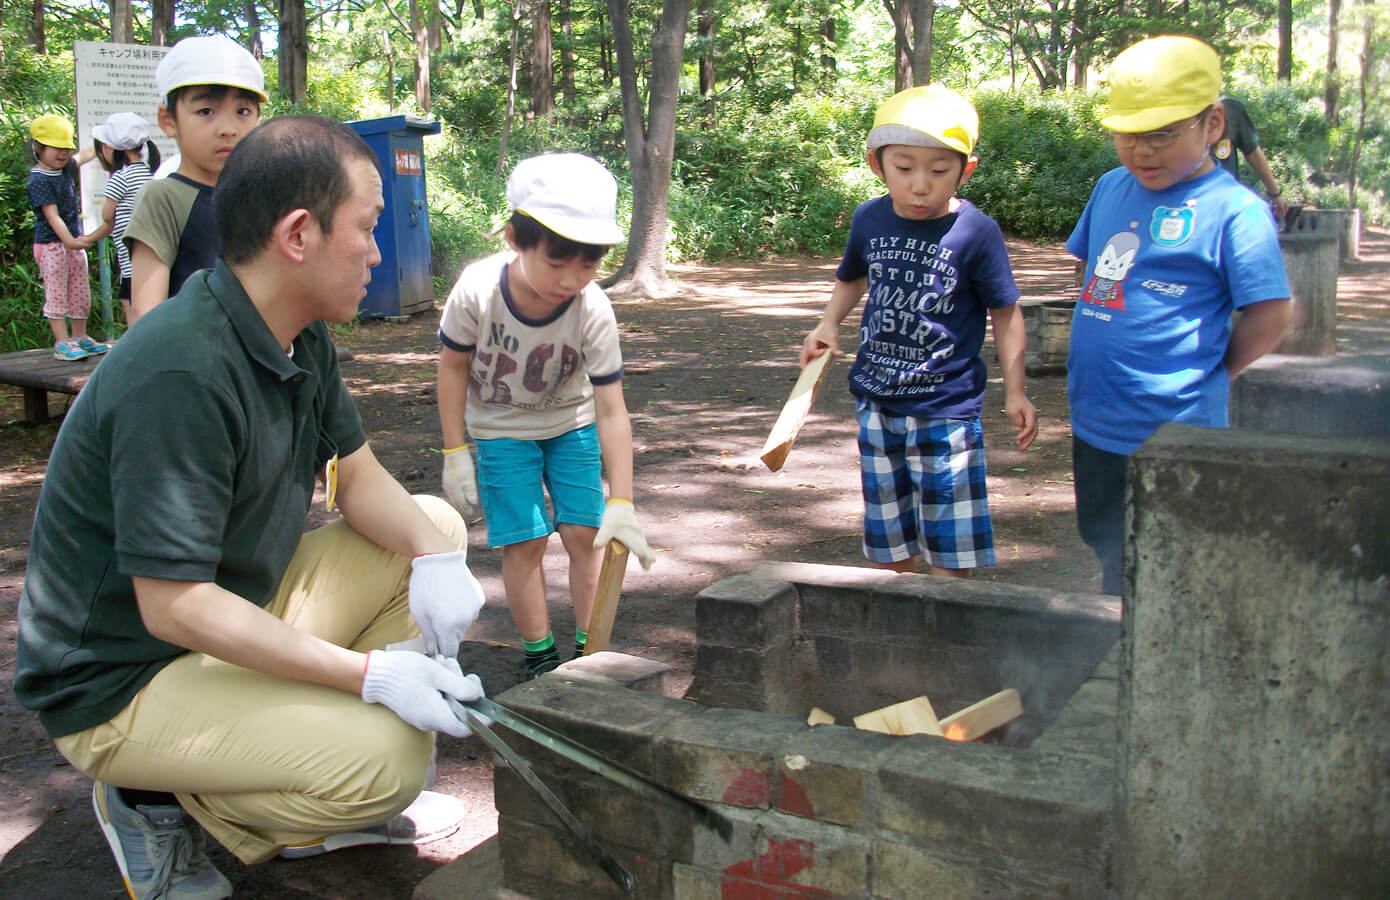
(833, 811)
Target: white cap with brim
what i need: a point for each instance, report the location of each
(211, 59)
(571, 194)
(122, 130)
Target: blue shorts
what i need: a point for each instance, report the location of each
(924, 489)
(514, 477)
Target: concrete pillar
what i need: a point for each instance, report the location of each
(1345, 223)
(1255, 668)
(1314, 396)
(1048, 324)
(1310, 257)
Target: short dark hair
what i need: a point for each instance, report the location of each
(122, 158)
(964, 159)
(531, 233)
(215, 93)
(288, 163)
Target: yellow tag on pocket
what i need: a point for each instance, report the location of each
(330, 481)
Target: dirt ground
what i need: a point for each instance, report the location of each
(706, 373)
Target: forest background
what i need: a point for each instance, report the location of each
(736, 129)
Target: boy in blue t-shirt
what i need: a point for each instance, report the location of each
(932, 264)
(1173, 247)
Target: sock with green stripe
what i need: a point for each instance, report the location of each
(541, 655)
(580, 639)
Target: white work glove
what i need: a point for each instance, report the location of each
(445, 599)
(413, 686)
(460, 480)
(620, 523)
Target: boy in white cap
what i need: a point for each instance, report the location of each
(933, 265)
(211, 90)
(1174, 246)
(532, 370)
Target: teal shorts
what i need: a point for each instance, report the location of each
(515, 476)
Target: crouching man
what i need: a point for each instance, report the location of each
(183, 642)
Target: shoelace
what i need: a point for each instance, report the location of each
(172, 852)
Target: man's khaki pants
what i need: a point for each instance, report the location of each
(260, 761)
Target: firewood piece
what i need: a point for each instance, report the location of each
(979, 719)
(605, 608)
(819, 716)
(794, 412)
(913, 716)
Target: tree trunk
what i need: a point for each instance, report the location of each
(827, 56)
(122, 22)
(293, 51)
(1367, 72)
(1332, 90)
(902, 44)
(1080, 58)
(923, 12)
(649, 147)
(36, 37)
(1283, 69)
(542, 69)
(567, 88)
(421, 15)
(705, 31)
(253, 29)
(511, 91)
(161, 22)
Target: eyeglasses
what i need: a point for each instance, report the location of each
(1154, 140)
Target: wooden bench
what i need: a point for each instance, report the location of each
(37, 373)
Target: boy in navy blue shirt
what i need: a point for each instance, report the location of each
(1174, 246)
(932, 264)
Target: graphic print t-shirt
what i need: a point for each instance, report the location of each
(929, 286)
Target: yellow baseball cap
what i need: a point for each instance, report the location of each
(926, 116)
(1160, 81)
(52, 131)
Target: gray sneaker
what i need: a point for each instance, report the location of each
(431, 817)
(159, 851)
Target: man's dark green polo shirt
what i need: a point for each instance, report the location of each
(189, 456)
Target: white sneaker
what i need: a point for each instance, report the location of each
(431, 817)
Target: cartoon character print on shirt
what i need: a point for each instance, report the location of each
(540, 372)
(911, 282)
(1106, 287)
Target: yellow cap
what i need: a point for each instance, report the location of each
(52, 131)
(926, 116)
(1161, 81)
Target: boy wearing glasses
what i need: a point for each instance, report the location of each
(1174, 246)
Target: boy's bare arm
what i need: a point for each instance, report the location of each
(826, 335)
(149, 279)
(1257, 331)
(615, 438)
(60, 228)
(452, 395)
(1010, 341)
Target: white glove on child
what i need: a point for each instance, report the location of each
(445, 599)
(620, 523)
(413, 686)
(460, 480)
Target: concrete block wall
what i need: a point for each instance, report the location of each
(786, 637)
(817, 812)
(1255, 667)
(1314, 396)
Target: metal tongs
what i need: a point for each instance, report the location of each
(469, 714)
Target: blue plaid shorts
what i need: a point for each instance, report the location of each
(924, 489)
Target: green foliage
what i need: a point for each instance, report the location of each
(1040, 155)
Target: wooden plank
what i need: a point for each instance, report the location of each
(979, 719)
(819, 716)
(913, 716)
(794, 412)
(610, 585)
(38, 369)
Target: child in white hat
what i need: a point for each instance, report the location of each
(123, 146)
(532, 370)
(211, 90)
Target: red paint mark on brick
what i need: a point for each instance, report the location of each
(750, 788)
(768, 877)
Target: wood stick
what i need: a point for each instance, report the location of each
(819, 716)
(913, 716)
(979, 719)
(610, 585)
(794, 411)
